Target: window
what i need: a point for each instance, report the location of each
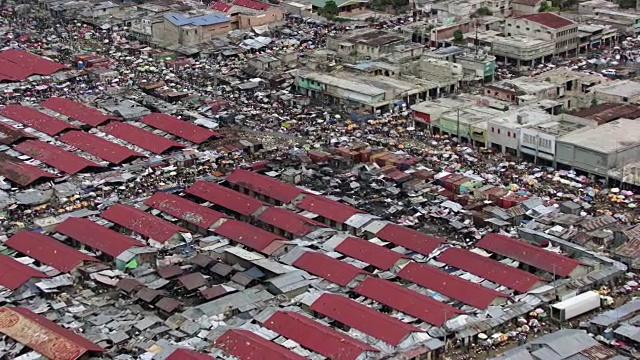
(493, 129)
(514, 135)
(508, 133)
(498, 131)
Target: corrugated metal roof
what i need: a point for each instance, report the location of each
(184, 209)
(265, 185)
(225, 197)
(550, 20)
(316, 337)
(245, 345)
(450, 286)
(17, 65)
(20, 172)
(363, 318)
(528, 254)
(77, 111)
(96, 236)
(502, 274)
(47, 250)
(408, 301)
(43, 335)
(255, 5)
(409, 238)
(363, 250)
(99, 147)
(14, 274)
(180, 128)
(246, 234)
(142, 138)
(35, 119)
(202, 20)
(184, 354)
(220, 6)
(141, 222)
(291, 222)
(10, 135)
(56, 157)
(328, 208)
(328, 268)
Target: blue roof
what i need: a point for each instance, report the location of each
(201, 20)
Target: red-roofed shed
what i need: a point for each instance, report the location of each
(327, 208)
(246, 234)
(501, 274)
(48, 251)
(180, 128)
(52, 340)
(20, 172)
(363, 318)
(328, 268)
(220, 6)
(363, 250)
(56, 157)
(140, 137)
(279, 191)
(451, 286)
(35, 119)
(143, 223)
(99, 147)
(224, 197)
(251, 4)
(95, 236)
(408, 238)
(289, 222)
(184, 354)
(549, 20)
(10, 135)
(185, 210)
(537, 257)
(317, 337)
(77, 111)
(13, 72)
(36, 65)
(14, 274)
(245, 345)
(408, 301)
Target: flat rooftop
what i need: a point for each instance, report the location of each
(607, 138)
(624, 88)
(527, 117)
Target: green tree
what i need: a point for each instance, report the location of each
(330, 9)
(458, 36)
(484, 11)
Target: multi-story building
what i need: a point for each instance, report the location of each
(247, 14)
(517, 50)
(546, 26)
(525, 7)
(624, 22)
(503, 132)
(179, 30)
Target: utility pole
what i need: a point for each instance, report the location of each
(458, 124)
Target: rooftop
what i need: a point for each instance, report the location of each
(56, 157)
(142, 138)
(180, 128)
(623, 88)
(549, 20)
(77, 111)
(264, 185)
(96, 236)
(611, 137)
(225, 197)
(141, 222)
(35, 119)
(185, 210)
(99, 147)
(201, 20)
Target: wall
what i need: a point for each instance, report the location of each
(522, 51)
(566, 38)
(534, 140)
(522, 9)
(500, 94)
(272, 14)
(502, 135)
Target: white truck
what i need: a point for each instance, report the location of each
(575, 306)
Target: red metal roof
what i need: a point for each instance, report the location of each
(548, 19)
(327, 208)
(451, 286)
(184, 354)
(43, 335)
(56, 157)
(10, 135)
(220, 6)
(77, 111)
(141, 222)
(35, 119)
(291, 222)
(255, 5)
(99, 147)
(265, 185)
(180, 128)
(363, 250)
(20, 172)
(47, 250)
(245, 345)
(12, 72)
(408, 301)
(225, 197)
(409, 238)
(246, 234)
(14, 274)
(142, 138)
(499, 273)
(328, 268)
(528, 254)
(314, 336)
(184, 209)
(37, 64)
(363, 318)
(96, 236)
